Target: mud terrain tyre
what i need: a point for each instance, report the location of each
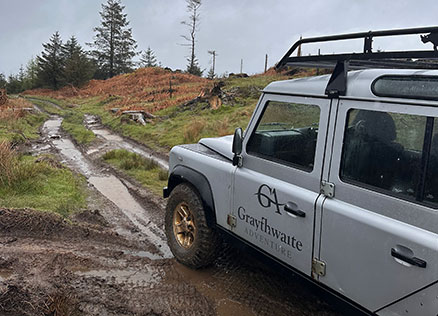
(191, 241)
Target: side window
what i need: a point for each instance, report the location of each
(393, 152)
(287, 133)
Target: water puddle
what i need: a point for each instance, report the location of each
(144, 277)
(72, 156)
(116, 192)
(118, 142)
(110, 186)
(209, 286)
(142, 254)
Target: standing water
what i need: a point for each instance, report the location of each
(108, 185)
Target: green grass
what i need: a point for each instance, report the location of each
(144, 170)
(73, 119)
(21, 129)
(43, 187)
(177, 125)
(46, 106)
(73, 125)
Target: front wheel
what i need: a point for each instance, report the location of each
(191, 241)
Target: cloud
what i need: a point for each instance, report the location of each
(244, 29)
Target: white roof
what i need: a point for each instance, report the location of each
(358, 83)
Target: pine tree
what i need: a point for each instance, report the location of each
(211, 74)
(113, 44)
(14, 84)
(31, 77)
(78, 68)
(3, 81)
(51, 63)
(193, 25)
(148, 58)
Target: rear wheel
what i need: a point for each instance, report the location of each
(191, 241)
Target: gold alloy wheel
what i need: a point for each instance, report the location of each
(184, 227)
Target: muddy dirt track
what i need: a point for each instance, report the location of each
(112, 259)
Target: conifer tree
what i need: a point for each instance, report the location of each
(78, 68)
(13, 85)
(3, 81)
(31, 77)
(193, 26)
(113, 44)
(148, 58)
(51, 63)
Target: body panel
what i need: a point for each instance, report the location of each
(262, 188)
(360, 226)
(424, 302)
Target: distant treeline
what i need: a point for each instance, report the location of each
(67, 63)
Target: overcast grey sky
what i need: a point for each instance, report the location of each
(236, 29)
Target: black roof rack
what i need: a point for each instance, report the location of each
(417, 59)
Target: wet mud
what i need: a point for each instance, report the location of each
(113, 259)
(114, 141)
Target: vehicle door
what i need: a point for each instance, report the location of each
(379, 233)
(278, 183)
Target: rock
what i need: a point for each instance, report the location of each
(54, 136)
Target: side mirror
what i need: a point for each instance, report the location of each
(237, 147)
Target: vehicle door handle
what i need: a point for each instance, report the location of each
(407, 256)
(292, 208)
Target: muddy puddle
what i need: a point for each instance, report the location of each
(117, 142)
(121, 269)
(108, 185)
(113, 189)
(71, 155)
(205, 282)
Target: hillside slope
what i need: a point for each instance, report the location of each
(181, 114)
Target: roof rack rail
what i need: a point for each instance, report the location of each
(367, 59)
(417, 59)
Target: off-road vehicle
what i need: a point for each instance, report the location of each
(336, 177)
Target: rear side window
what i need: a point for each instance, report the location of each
(287, 134)
(410, 87)
(392, 152)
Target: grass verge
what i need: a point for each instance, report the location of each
(144, 170)
(16, 127)
(73, 125)
(41, 184)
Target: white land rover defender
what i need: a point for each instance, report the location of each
(335, 176)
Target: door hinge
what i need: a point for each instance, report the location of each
(328, 189)
(318, 267)
(231, 220)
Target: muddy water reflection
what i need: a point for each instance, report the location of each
(69, 152)
(207, 285)
(110, 186)
(117, 193)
